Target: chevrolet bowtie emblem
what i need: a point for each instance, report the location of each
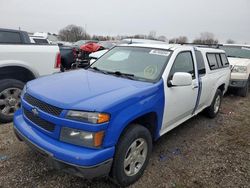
(35, 111)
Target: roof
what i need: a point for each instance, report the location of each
(135, 41)
(150, 45)
(210, 49)
(174, 47)
(11, 30)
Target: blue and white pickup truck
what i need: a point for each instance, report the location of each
(103, 120)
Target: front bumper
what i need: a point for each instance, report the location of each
(234, 83)
(80, 161)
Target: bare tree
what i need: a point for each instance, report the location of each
(206, 38)
(152, 35)
(179, 40)
(73, 33)
(230, 41)
(162, 38)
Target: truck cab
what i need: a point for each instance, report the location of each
(103, 120)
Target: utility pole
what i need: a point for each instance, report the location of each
(85, 31)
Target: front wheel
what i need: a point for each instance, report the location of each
(10, 91)
(214, 108)
(132, 155)
(243, 92)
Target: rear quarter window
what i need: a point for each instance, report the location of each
(212, 61)
(10, 37)
(217, 60)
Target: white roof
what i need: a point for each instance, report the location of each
(160, 46)
(174, 47)
(139, 41)
(207, 49)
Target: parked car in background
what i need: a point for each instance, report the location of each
(20, 62)
(39, 40)
(43, 38)
(96, 55)
(239, 59)
(102, 121)
(108, 44)
(79, 43)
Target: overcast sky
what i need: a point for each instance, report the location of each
(225, 18)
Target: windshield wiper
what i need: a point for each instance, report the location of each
(98, 70)
(121, 74)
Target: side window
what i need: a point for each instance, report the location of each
(218, 60)
(183, 63)
(212, 61)
(10, 37)
(200, 63)
(224, 60)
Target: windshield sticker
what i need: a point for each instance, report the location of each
(150, 71)
(160, 52)
(245, 48)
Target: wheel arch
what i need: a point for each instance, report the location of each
(17, 72)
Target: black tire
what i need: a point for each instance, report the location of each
(243, 92)
(210, 111)
(6, 84)
(131, 135)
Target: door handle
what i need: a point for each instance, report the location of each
(195, 86)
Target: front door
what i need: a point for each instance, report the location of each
(180, 101)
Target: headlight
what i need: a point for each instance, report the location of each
(89, 117)
(23, 91)
(81, 138)
(239, 69)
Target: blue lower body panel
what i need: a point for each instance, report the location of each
(61, 151)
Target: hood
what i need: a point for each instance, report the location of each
(85, 90)
(239, 61)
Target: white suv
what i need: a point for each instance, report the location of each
(239, 59)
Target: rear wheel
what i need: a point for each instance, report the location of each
(132, 155)
(214, 108)
(10, 91)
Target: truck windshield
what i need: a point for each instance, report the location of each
(138, 63)
(237, 51)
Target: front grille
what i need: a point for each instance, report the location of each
(38, 121)
(42, 105)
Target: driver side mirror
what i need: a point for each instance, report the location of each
(180, 79)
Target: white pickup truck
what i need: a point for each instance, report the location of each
(239, 59)
(21, 62)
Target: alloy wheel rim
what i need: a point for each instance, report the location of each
(10, 101)
(217, 104)
(135, 157)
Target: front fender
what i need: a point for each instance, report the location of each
(154, 102)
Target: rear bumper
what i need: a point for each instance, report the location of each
(80, 161)
(238, 83)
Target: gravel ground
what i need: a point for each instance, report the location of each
(199, 153)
